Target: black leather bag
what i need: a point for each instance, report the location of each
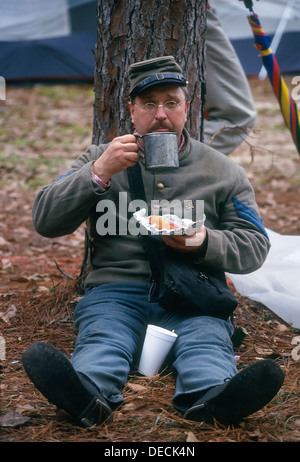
(187, 288)
(179, 284)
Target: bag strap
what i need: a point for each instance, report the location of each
(136, 183)
(154, 247)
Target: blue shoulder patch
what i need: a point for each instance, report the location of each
(245, 212)
(63, 176)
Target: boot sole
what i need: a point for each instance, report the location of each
(249, 391)
(54, 376)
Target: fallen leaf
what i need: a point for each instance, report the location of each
(8, 314)
(12, 419)
(24, 407)
(136, 387)
(282, 327)
(43, 289)
(191, 438)
(4, 242)
(7, 265)
(264, 351)
(137, 409)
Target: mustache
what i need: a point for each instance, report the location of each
(160, 126)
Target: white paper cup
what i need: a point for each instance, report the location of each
(157, 344)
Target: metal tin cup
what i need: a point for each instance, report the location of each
(160, 150)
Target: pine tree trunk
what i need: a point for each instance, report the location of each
(129, 31)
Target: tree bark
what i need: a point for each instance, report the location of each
(129, 31)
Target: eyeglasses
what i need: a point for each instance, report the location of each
(152, 107)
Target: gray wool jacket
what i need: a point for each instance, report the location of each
(237, 241)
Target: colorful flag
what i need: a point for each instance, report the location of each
(288, 106)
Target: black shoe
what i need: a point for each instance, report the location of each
(54, 376)
(244, 394)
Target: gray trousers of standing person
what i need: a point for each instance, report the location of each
(230, 110)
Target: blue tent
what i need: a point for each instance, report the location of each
(42, 39)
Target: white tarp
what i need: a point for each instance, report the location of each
(277, 283)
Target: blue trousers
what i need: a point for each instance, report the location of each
(112, 321)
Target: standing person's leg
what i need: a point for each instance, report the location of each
(230, 109)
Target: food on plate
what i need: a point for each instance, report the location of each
(160, 222)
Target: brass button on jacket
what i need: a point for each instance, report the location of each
(160, 185)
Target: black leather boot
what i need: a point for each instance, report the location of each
(54, 376)
(244, 394)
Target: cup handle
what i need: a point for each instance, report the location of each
(139, 136)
